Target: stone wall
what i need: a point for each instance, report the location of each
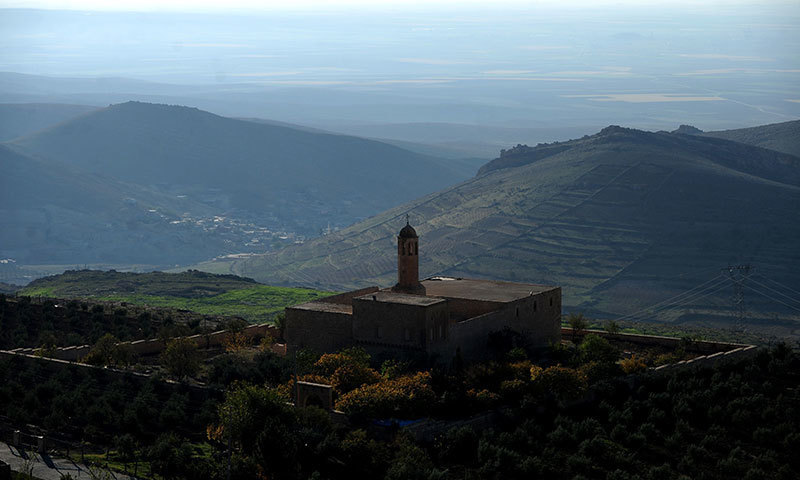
(107, 375)
(713, 360)
(533, 317)
(697, 346)
(320, 331)
(155, 346)
(347, 297)
(398, 324)
(464, 308)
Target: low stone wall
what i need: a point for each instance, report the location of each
(108, 375)
(154, 346)
(699, 346)
(713, 360)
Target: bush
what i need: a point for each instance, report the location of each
(564, 383)
(407, 396)
(181, 358)
(595, 348)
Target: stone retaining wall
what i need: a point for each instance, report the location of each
(155, 346)
(699, 346)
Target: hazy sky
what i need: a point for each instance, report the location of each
(647, 63)
(207, 5)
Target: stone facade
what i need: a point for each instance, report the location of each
(439, 317)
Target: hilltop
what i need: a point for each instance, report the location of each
(298, 178)
(622, 219)
(192, 290)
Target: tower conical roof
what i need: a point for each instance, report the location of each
(408, 232)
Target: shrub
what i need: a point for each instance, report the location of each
(181, 358)
(595, 348)
(633, 364)
(564, 383)
(408, 396)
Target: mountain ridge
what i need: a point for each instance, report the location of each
(285, 170)
(615, 212)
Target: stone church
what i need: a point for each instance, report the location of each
(437, 316)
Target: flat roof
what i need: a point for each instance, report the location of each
(387, 296)
(318, 306)
(486, 290)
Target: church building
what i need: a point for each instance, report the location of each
(438, 316)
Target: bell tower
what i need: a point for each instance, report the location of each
(408, 262)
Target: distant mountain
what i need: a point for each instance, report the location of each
(8, 288)
(456, 140)
(621, 219)
(96, 283)
(783, 137)
(59, 214)
(18, 119)
(300, 178)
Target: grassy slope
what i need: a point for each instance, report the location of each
(621, 220)
(196, 291)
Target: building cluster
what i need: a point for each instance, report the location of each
(441, 317)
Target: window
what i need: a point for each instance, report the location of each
(517, 312)
(441, 331)
(407, 335)
(431, 334)
(534, 305)
(551, 301)
(378, 332)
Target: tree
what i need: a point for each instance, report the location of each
(170, 456)
(263, 425)
(578, 323)
(108, 351)
(612, 327)
(595, 348)
(181, 358)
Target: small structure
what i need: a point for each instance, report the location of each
(440, 316)
(314, 394)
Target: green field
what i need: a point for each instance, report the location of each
(255, 304)
(199, 292)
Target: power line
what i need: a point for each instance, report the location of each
(778, 283)
(670, 300)
(685, 303)
(771, 298)
(775, 291)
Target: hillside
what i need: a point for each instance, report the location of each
(622, 219)
(783, 137)
(60, 214)
(301, 179)
(18, 119)
(192, 290)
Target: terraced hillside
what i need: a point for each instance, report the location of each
(622, 219)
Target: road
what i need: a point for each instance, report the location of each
(49, 468)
